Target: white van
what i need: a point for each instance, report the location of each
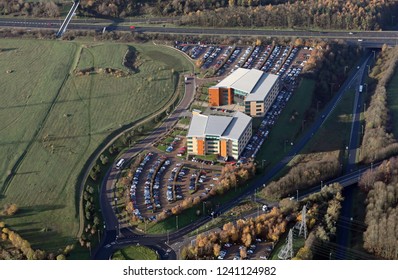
(120, 163)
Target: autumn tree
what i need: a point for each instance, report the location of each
(216, 250)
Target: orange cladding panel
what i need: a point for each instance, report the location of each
(214, 96)
(201, 147)
(230, 96)
(223, 150)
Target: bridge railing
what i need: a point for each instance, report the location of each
(68, 18)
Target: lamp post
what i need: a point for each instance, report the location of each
(331, 89)
(321, 185)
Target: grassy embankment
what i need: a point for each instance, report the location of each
(53, 120)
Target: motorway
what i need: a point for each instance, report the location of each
(368, 38)
(353, 145)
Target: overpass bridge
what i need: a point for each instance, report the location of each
(68, 18)
(346, 180)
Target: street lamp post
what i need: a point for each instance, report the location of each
(331, 89)
(321, 185)
(297, 194)
(302, 125)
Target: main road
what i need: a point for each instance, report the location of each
(365, 38)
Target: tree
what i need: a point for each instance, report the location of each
(10, 209)
(104, 159)
(61, 257)
(304, 253)
(243, 253)
(216, 250)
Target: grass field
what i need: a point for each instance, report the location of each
(52, 121)
(392, 101)
(285, 130)
(336, 129)
(135, 253)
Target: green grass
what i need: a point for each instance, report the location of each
(135, 253)
(336, 128)
(210, 157)
(298, 242)
(197, 107)
(53, 122)
(392, 102)
(185, 121)
(286, 130)
(178, 133)
(103, 55)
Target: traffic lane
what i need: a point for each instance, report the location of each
(354, 134)
(107, 202)
(81, 24)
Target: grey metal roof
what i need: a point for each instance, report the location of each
(216, 125)
(197, 126)
(237, 126)
(248, 81)
(262, 88)
(254, 82)
(222, 126)
(232, 78)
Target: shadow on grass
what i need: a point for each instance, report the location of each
(8, 49)
(32, 210)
